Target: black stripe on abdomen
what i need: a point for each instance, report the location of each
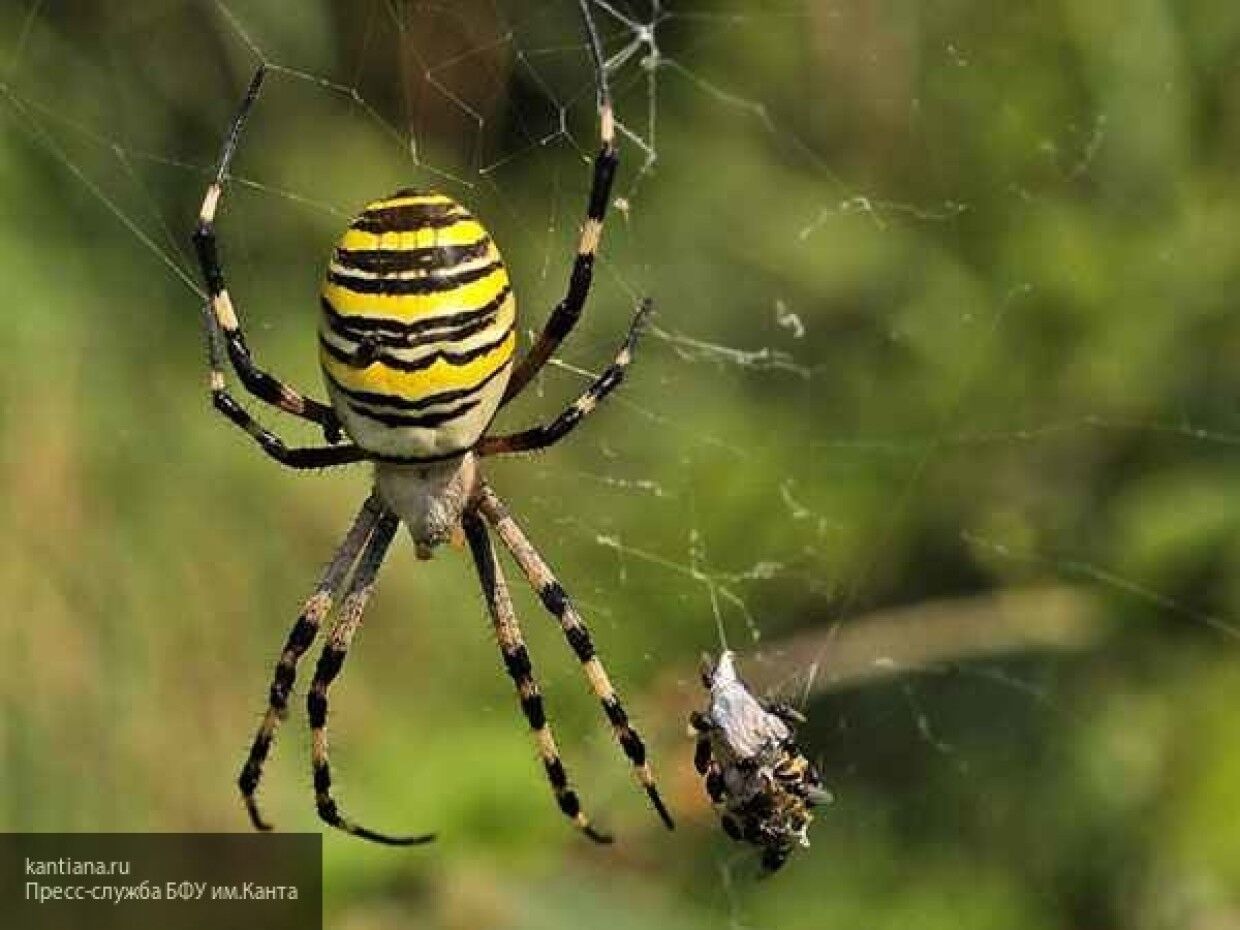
(428, 284)
(392, 261)
(423, 421)
(449, 334)
(350, 327)
(446, 354)
(410, 218)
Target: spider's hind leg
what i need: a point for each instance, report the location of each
(261, 384)
(517, 662)
(540, 437)
(568, 311)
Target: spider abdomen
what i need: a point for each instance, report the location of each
(417, 334)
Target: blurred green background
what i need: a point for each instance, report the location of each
(938, 426)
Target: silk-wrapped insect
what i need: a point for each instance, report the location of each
(762, 787)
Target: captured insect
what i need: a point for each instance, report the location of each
(417, 340)
(762, 786)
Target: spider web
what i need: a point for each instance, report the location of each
(495, 103)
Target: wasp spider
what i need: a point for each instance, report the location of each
(417, 338)
(762, 786)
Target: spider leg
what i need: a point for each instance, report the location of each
(258, 382)
(331, 659)
(566, 313)
(557, 602)
(299, 640)
(517, 662)
(273, 445)
(540, 437)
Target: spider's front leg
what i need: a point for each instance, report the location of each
(557, 602)
(331, 661)
(300, 638)
(520, 669)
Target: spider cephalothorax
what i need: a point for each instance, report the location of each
(757, 778)
(417, 340)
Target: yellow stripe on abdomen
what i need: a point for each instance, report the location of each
(461, 232)
(407, 308)
(411, 386)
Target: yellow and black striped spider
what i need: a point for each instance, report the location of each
(416, 344)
